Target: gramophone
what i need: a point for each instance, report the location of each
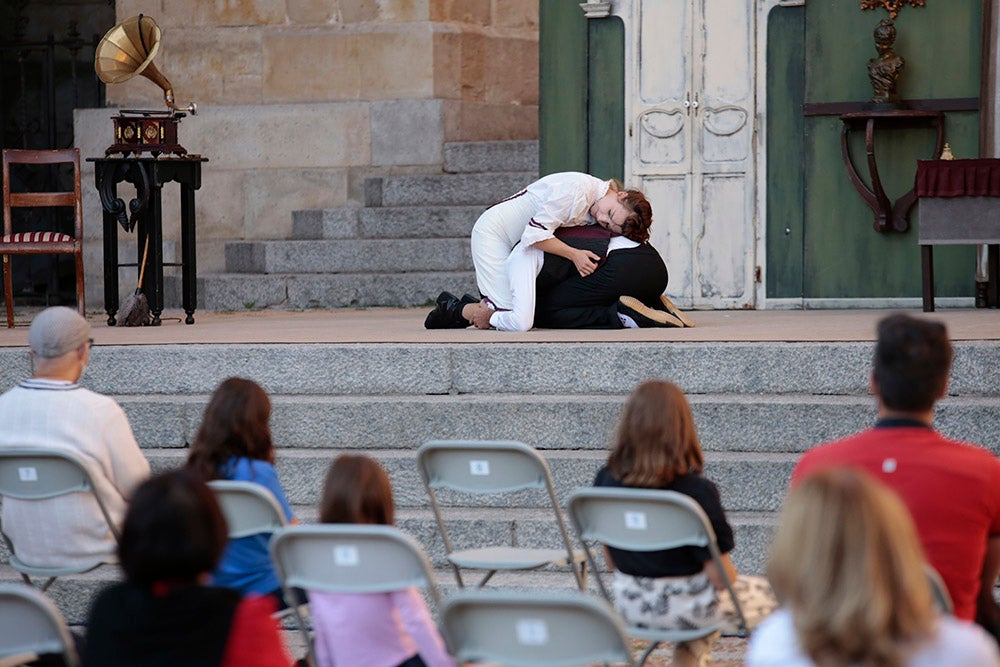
(126, 50)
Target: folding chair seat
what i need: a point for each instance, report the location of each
(348, 558)
(646, 520)
(41, 242)
(494, 467)
(533, 630)
(30, 626)
(37, 474)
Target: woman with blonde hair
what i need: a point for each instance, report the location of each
(657, 447)
(850, 572)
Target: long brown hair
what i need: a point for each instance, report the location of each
(847, 562)
(356, 490)
(657, 440)
(235, 423)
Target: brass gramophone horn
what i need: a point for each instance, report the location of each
(128, 49)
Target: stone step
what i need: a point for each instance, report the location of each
(726, 422)
(571, 369)
(480, 156)
(349, 256)
(390, 222)
(300, 291)
(445, 189)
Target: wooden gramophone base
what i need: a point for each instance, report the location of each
(139, 131)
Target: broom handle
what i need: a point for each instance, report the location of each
(142, 269)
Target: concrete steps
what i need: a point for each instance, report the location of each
(409, 241)
(757, 407)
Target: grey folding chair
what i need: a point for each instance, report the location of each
(494, 467)
(646, 520)
(37, 474)
(939, 591)
(533, 630)
(30, 625)
(348, 558)
(249, 508)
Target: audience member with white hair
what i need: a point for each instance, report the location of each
(50, 410)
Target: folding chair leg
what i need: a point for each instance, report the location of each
(44, 587)
(488, 576)
(648, 652)
(458, 575)
(8, 291)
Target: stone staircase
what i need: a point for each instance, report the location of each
(757, 407)
(407, 243)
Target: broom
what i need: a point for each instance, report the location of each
(135, 308)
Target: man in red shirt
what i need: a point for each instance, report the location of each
(952, 488)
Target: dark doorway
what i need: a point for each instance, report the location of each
(46, 71)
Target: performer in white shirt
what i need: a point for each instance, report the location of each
(510, 238)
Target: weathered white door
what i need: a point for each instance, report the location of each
(690, 110)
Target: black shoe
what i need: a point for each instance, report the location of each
(448, 313)
(669, 306)
(645, 316)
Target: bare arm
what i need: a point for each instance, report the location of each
(584, 260)
(608, 559)
(715, 576)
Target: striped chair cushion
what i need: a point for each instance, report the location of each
(36, 237)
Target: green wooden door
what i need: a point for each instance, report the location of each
(820, 241)
(582, 91)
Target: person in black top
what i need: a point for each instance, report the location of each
(657, 447)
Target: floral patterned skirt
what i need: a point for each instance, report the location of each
(688, 603)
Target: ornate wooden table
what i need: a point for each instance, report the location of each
(959, 205)
(145, 216)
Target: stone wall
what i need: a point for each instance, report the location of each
(300, 100)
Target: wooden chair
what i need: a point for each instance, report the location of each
(41, 242)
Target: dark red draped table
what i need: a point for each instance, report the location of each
(959, 205)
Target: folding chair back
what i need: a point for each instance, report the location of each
(493, 467)
(646, 520)
(249, 508)
(939, 591)
(533, 630)
(37, 474)
(39, 242)
(30, 625)
(348, 558)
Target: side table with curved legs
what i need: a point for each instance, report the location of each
(889, 216)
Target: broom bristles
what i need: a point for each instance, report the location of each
(134, 311)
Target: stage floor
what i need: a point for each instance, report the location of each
(405, 325)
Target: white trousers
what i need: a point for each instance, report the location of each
(505, 272)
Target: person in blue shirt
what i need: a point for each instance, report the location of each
(234, 443)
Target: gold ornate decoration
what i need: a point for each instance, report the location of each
(891, 6)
